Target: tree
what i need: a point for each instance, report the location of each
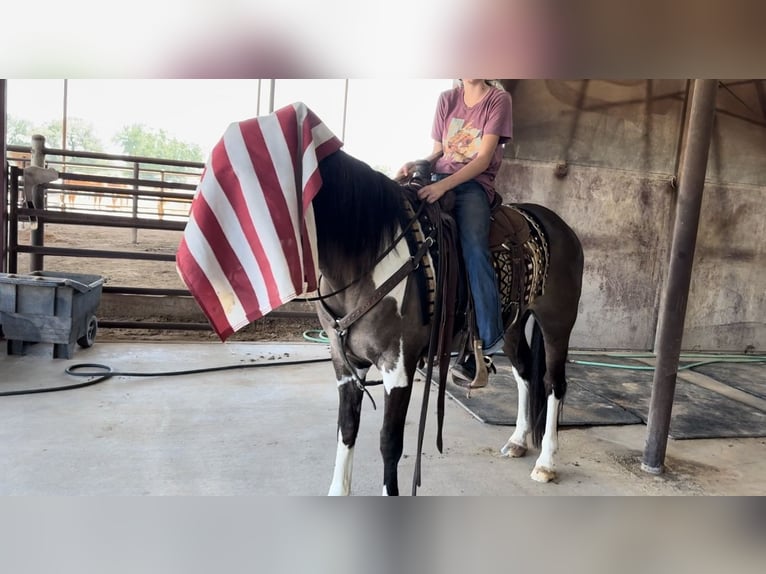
(140, 140)
(79, 135)
(19, 131)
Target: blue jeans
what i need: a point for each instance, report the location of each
(472, 216)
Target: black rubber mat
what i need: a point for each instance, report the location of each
(599, 395)
(697, 412)
(747, 377)
(496, 404)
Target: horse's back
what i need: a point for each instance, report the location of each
(561, 237)
(563, 283)
(548, 218)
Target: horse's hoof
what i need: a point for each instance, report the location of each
(513, 450)
(542, 474)
(339, 491)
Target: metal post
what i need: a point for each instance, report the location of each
(258, 100)
(136, 173)
(345, 110)
(63, 116)
(675, 294)
(37, 235)
(12, 261)
(4, 182)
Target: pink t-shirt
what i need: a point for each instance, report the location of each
(460, 129)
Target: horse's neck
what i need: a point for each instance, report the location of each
(356, 283)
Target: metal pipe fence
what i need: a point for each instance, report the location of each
(103, 190)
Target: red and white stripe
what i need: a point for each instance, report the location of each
(250, 243)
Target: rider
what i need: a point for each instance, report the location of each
(473, 121)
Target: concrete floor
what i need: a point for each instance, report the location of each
(271, 431)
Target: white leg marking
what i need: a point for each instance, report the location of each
(344, 457)
(517, 444)
(545, 466)
(396, 377)
(344, 462)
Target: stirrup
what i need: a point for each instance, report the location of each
(483, 364)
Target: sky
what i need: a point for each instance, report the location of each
(387, 123)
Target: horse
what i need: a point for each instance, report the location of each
(361, 220)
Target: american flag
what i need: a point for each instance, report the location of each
(250, 243)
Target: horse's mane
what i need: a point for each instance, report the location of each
(357, 212)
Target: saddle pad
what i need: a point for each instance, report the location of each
(536, 258)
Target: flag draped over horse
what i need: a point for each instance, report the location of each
(250, 244)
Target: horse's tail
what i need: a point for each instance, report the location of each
(537, 393)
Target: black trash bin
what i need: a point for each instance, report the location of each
(49, 307)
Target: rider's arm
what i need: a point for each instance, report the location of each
(470, 170)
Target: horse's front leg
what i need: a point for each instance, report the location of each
(349, 411)
(398, 388)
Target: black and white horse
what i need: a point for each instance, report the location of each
(359, 213)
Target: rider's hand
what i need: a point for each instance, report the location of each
(404, 171)
(433, 192)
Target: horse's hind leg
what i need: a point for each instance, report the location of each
(555, 386)
(538, 367)
(349, 412)
(516, 446)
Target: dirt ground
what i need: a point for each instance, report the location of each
(154, 274)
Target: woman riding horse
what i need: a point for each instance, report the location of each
(472, 123)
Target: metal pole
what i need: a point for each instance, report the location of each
(37, 234)
(258, 101)
(345, 110)
(3, 181)
(272, 91)
(680, 147)
(675, 295)
(136, 174)
(63, 116)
